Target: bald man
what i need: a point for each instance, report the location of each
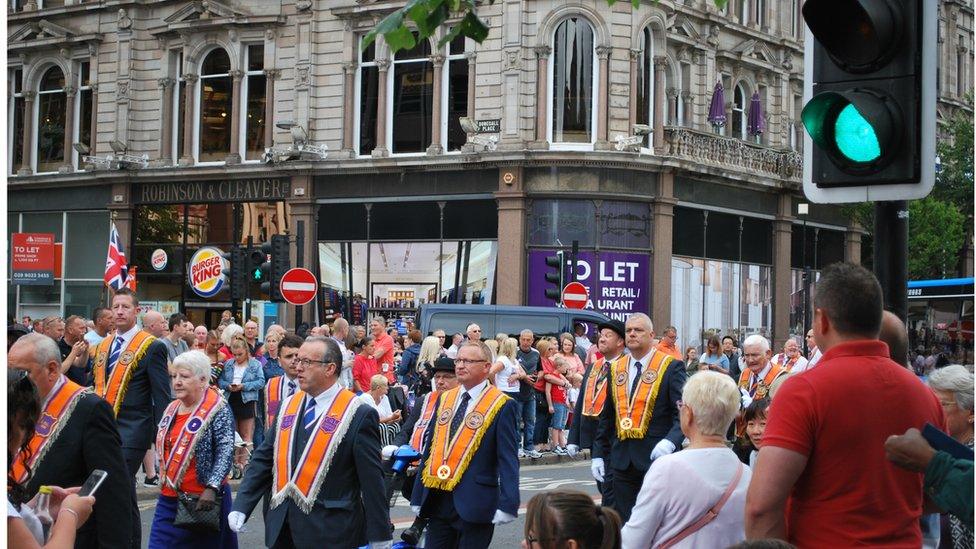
(154, 323)
(895, 335)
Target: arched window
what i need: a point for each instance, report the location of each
(645, 81)
(411, 113)
(368, 84)
(215, 106)
(456, 93)
(738, 124)
(573, 73)
(15, 120)
(255, 94)
(51, 103)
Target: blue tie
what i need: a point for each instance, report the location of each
(116, 352)
(459, 414)
(633, 386)
(291, 388)
(309, 418)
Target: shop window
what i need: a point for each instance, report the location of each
(573, 73)
(739, 112)
(368, 85)
(216, 99)
(411, 113)
(41, 295)
(15, 117)
(80, 261)
(757, 241)
(51, 103)
(471, 219)
(456, 81)
(81, 297)
(178, 110)
(562, 221)
(47, 222)
(645, 82)
(625, 225)
(401, 221)
(86, 106)
(255, 93)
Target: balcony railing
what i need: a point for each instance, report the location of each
(727, 152)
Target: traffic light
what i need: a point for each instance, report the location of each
(256, 258)
(556, 277)
(236, 272)
(871, 108)
(277, 262)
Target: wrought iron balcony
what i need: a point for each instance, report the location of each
(729, 152)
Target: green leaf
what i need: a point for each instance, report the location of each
(391, 23)
(451, 35)
(720, 4)
(437, 16)
(400, 39)
(473, 27)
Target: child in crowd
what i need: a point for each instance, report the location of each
(558, 407)
(755, 419)
(572, 394)
(569, 518)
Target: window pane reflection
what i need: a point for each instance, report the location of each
(215, 107)
(572, 84)
(255, 117)
(51, 101)
(413, 96)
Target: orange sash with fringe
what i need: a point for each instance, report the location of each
(178, 458)
(449, 457)
(113, 389)
(417, 437)
(760, 389)
(633, 412)
(274, 395)
(596, 388)
(48, 427)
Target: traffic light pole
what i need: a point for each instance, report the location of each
(300, 262)
(891, 254)
(247, 287)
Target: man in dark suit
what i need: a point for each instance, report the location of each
(76, 434)
(630, 441)
(593, 397)
(131, 373)
(465, 494)
(337, 499)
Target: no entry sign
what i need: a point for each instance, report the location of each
(575, 296)
(298, 286)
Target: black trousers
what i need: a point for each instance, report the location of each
(284, 540)
(606, 488)
(626, 484)
(446, 530)
(133, 461)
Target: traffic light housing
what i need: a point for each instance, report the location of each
(277, 255)
(555, 274)
(870, 114)
(236, 272)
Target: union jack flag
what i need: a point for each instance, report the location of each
(116, 269)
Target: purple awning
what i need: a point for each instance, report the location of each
(756, 122)
(716, 112)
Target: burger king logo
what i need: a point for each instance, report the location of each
(206, 278)
(159, 259)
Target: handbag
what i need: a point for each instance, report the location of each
(189, 518)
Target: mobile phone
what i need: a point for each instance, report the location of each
(95, 479)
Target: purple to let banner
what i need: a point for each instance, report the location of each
(618, 282)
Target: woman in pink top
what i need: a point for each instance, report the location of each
(567, 349)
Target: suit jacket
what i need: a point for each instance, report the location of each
(665, 423)
(146, 398)
(491, 481)
(406, 431)
(88, 441)
(583, 430)
(351, 507)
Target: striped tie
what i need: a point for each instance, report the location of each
(309, 418)
(116, 352)
(291, 388)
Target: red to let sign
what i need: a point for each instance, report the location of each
(298, 286)
(575, 296)
(32, 259)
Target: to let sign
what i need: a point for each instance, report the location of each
(32, 259)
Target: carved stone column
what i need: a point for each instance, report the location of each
(472, 66)
(672, 94)
(235, 119)
(688, 103)
(166, 112)
(25, 168)
(660, 63)
(435, 118)
(782, 272)
(94, 119)
(270, 75)
(663, 219)
(542, 54)
(603, 98)
(635, 56)
(69, 129)
(381, 149)
(349, 111)
(188, 117)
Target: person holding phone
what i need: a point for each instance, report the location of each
(76, 436)
(241, 380)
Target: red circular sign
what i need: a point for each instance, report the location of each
(575, 296)
(298, 286)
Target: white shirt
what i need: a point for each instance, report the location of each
(632, 368)
(814, 359)
(324, 401)
(754, 378)
(452, 352)
(583, 343)
(54, 390)
(666, 505)
(239, 372)
(126, 337)
(501, 378)
(475, 393)
(383, 408)
(93, 338)
(30, 520)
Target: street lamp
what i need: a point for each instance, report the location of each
(803, 209)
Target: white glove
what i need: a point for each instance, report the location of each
(381, 544)
(572, 450)
(236, 521)
(662, 448)
(746, 399)
(597, 469)
(501, 517)
(415, 509)
(388, 451)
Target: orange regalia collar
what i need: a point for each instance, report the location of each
(302, 483)
(275, 394)
(426, 413)
(449, 457)
(761, 388)
(179, 457)
(113, 389)
(52, 420)
(785, 363)
(596, 388)
(633, 413)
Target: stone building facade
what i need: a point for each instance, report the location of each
(707, 214)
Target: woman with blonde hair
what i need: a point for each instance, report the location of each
(430, 351)
(505, 366)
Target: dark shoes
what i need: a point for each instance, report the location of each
(151, 481)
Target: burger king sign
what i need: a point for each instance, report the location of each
(206, 272)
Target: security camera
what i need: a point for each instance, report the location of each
(118, 146)
(468, 125)
(642, 129)
(285, 124)
(81, 148)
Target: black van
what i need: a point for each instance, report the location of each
(509, 319)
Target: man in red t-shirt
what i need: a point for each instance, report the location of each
(383, 348)
(823, 458)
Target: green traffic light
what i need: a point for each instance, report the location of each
(257, 274)
(855, 137)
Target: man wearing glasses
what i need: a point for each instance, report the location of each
(468, 479)
(321, 463)
(669, 343)
(814, 351)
